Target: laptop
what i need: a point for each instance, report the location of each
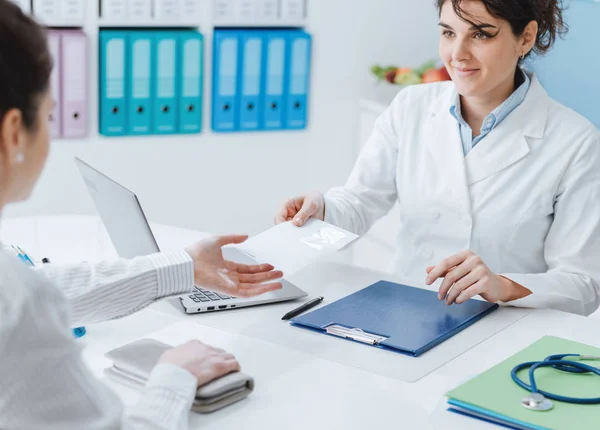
(130, 233)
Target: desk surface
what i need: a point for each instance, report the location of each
(294, 388)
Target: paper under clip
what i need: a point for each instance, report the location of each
(355, 334)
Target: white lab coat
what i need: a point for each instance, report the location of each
(526, 199)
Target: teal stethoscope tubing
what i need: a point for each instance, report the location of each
(558, 362)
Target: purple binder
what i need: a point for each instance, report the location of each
(55, 83)
(74, 84)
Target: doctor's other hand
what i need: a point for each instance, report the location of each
(213, 272)
(300, 209)
(204, 362)
(466, 275)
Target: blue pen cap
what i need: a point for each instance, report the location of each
(79, 331)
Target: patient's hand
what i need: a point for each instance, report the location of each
(205, 362)
(213, 272)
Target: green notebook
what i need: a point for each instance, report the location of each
(494, 396)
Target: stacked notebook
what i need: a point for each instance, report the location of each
(494, 397)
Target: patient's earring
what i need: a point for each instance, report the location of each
(20, 158)
(523, 56)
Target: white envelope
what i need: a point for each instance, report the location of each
(290, 248)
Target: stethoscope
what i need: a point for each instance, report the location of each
(539, 400)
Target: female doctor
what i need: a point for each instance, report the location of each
(498, 186)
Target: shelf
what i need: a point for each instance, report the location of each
(102, 23)
(261, 24)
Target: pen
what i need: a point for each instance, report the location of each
(21, 255)
(26, 256)
(306, 306)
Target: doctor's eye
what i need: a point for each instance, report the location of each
(447, 33)
(482, 36)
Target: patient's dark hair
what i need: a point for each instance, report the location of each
(519, 13)
(25, 63)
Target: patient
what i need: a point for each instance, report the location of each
(44, 383)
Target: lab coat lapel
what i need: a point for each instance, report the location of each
(445, 149)
(506, 144)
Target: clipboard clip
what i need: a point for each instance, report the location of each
(356, 334)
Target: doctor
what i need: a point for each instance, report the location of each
(498, 185)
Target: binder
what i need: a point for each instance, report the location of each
(267, 10)
(47, 11)
(73, 11)
(164, 118)
(274, 79)
(298, 66)
(166, 10)
(74, 84)
(191, 54)
(223, 10)
(139, 72)
(113, 45)
(395, 317)
(251, 43)
(245, 11)
(293, 10)
(502, 404)
(114, 10)
(190, 10)
(139, 10)
(225, 80)
(55, 121)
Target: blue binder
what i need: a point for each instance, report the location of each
(139, 72)
(191, 55)
(274, 79)
(165, 74)
(297, 82)
(225, 80)
(113, 84)
(251, 52)
(395, 317)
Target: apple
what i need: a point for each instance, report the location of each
(435, 75)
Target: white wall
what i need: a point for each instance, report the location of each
(226, 183)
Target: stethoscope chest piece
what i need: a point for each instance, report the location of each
(536, 402)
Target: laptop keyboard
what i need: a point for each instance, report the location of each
(201, 295)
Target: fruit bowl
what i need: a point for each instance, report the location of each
(428, 72)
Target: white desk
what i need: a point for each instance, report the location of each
(294, 389)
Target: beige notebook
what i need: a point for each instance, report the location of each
(133, 363)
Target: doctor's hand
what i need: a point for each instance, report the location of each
(466, 275)
(300, 209)
(213, 272)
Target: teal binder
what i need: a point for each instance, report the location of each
(113, 83)
(298, 78)
(225, 93)
(165, 73)
(191, 55)
(274, 75)
(251, 53)
(139, 90)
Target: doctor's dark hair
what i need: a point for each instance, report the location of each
(25, 64)
(519, 13)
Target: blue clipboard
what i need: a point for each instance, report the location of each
(394, 317)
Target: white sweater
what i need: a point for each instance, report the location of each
(44, 384)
